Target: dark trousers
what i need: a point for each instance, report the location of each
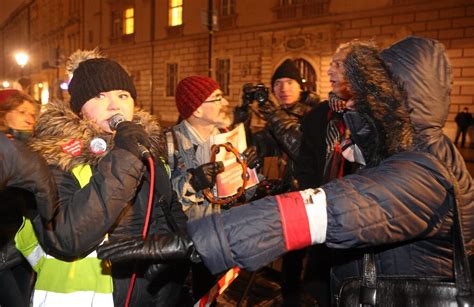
(203, 280)
(461, 131)
(16, 285)
(315, 279)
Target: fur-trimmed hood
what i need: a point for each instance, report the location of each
(59, 126)
(380, 99)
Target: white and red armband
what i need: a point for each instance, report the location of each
(303, 218)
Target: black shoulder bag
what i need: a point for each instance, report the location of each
(370, 290)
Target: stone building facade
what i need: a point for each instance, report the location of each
(249, 40)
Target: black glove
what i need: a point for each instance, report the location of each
(270, 187)
(267, 109)
(129, 135)
(365, 134)
(163, 247)
(204, 176)
(241, 114)
(251, 156)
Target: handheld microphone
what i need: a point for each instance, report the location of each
(115, 121)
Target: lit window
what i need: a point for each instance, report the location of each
(128, 21)
(176, 13)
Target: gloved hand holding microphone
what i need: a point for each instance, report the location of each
(130, 136)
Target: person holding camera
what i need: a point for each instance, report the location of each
(282, 137)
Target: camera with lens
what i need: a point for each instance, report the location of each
(252, 93)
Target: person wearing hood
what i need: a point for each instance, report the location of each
(428, 94)
(94, 148)
(399, 207)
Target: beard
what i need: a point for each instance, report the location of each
(224, 121)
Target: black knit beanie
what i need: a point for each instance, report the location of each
(97, 75)
(287, 69)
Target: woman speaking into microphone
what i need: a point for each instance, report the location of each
(106, 191)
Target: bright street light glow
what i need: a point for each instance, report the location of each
(21, 58)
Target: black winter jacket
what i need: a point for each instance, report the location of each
(114, 202)
(309, 168)
(282, 134)
(14, 202)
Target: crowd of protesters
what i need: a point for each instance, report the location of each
(103, 207)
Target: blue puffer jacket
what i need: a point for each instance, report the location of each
(409, 223)
(428, 88)
(400, 209)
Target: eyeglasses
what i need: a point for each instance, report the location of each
(217, 100)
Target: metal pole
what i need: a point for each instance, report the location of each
(209, 27)
(152, 51)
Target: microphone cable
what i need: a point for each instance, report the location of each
(147, 223)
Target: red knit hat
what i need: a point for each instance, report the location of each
(4, 94)
(191, 93)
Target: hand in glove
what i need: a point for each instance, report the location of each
(163, 247)
(251, 156)
(241, 114)
(204, 176)
(129, 135)
(267, 109)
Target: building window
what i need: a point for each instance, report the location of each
(123, 22)
(175, 13)
(288, 9)
(307, 73)
(116, 24)
(171, 78)
(128, 22)
(227, 15)
(223, 74)
(227, 7)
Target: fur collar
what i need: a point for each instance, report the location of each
(58, 126)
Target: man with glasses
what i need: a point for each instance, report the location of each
(204, 113)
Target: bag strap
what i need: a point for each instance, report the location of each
(462, 274)
(172, 145)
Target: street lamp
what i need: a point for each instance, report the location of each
(21, 59)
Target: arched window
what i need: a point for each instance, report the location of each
(307, 73)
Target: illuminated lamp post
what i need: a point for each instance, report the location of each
(21, 59)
